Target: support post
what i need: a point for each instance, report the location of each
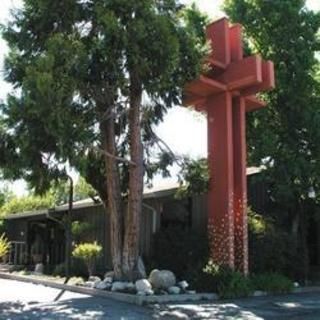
(220, 198)
(240, 185)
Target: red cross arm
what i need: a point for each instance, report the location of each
(253, 103)
(268, 80)
(243, 73)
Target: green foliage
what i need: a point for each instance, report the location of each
(88, 252)
(74, 71)
(258, 224)
(194, 178)
(27, 203)
(82, 190)
(187, 255)
(284, 136)
(228, 284)
(78, 269)
(4, 246)
(271, 248)
(79, 228)
(5, 195)
(57, 195)
(272, 283)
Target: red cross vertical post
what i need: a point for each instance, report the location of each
(226, 93)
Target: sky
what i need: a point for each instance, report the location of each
(185, 131)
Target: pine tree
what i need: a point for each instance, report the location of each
(92, 78)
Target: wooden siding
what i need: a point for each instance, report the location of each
(155, 210)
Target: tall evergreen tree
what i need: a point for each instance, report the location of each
(285, 136)
(92, 78)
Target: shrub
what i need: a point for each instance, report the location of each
(228, 283)
(272, 283)
(4, 246)
(79, 229)
(78, 269)
(187, 256)
(271, 248)
(88, 252)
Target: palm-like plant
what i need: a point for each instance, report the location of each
(4, 245)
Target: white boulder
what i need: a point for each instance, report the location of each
(108, 279)
(109, 274)
(94, 278)
(183, 285)
(89, 284)
(162, 279)
(174, 290)
(102, 285)
(119, 286)
(143, 285)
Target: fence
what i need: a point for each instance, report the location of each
(18, 253)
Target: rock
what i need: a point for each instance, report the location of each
(150, 292)
(102, 285)
(108, 279)
(183, 285)
(143, 285)
(38, 269)
(89, 284)
(131, 287)
(174, 290)
(109, 274)
(296, 284)
(162, 279)
(119, 286)
(94, 278)
(259, 293)
(191, 292)
(163, 292)
(76, 281)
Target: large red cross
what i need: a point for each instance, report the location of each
(226, 93)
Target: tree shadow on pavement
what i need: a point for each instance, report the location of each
(79, 308)
(265, 308)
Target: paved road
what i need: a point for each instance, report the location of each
(22, 301)
(19, 300)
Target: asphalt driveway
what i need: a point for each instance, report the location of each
(19, 300)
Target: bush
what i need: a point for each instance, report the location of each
(88, 252)
(271, 248)
(78, 269)
(272, 283)
(28, 203)
(79, 229)
(4, 246)
(228, 283)
(187, 256)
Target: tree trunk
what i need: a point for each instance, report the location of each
(114, 195)
(304, 246)
(136, 173)
(68, 230)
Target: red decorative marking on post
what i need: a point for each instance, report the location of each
(226, 93)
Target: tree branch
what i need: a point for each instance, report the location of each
(108, 154)
(161, 143)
